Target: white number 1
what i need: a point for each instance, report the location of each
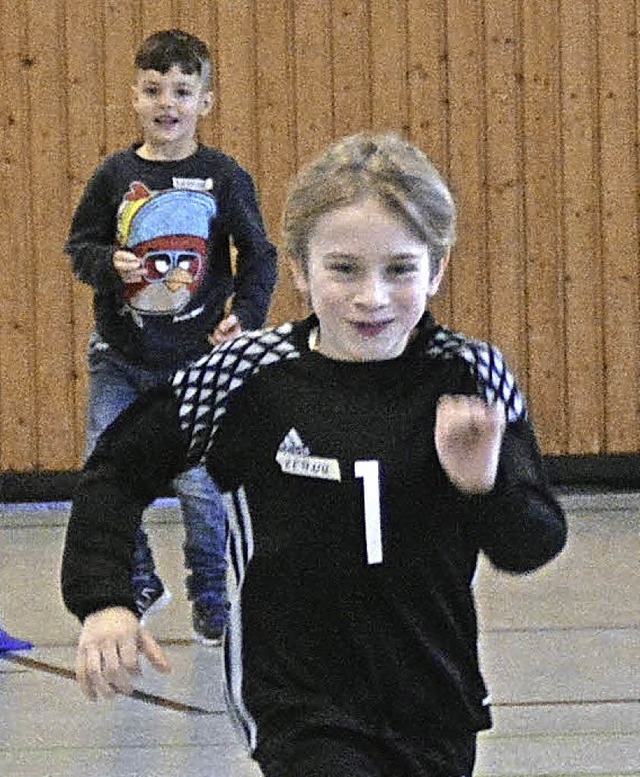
(369, 471)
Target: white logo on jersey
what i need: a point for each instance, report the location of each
(194, 184)
(294, 458)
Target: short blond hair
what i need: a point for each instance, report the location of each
(365, 165)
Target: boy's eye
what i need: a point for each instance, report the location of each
(150, 90)
(342, 267)
(400, 269)
(184, 92)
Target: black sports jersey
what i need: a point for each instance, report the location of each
(354, 554)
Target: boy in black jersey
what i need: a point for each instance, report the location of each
(368, 455)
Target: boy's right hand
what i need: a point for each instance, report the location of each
(111, 644)
(128, 266)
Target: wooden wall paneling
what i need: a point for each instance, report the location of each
(18, 432)
(583, 259)
(122, 37)
(53, 301)
(84, 49)
(290, 77)
(236, 101)
(199, 17)
(428, 102)
(313, 109)
(505, 185)
(313, 79)
(156, 15)
(389, 66)
(468, 273)
(351, 66)
(619, 224)
(543, 210)
(276, 141)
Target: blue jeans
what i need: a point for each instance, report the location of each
(113, 386)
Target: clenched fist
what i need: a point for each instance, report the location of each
(468, 436)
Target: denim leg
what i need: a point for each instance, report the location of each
(112, 388)
(205, 524)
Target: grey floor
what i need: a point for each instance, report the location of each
(560, 650)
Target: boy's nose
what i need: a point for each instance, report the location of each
(372, 293)
(166, 99)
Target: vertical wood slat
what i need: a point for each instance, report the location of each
(85, 132)
(121, 38)
(583, 289)
(389, 102)
(155, 15)
(236, 97)
(313, 80)
(351, 66)
(504, 185)
(53, 296)
(619, 225)
(274, 119)
(18, 435)
(428, 100)
(528, 107)
(468, 271)
(314, 114)
(544, 247)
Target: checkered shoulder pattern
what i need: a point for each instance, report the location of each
(493, 378)
(204, 386)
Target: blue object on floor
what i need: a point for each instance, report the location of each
(7, 642)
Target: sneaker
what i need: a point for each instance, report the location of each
(150, 595)
(208, 622)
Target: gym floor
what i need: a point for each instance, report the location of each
(560, 651)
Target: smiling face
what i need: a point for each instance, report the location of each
(368, 278)
(168, 106)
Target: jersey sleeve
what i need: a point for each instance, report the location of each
(521, 524)
(233, 442)
(135, 460)
(256, 264)
(91, 240)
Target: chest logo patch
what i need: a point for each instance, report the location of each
(294, 458)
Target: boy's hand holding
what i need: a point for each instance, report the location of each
(228, 328)
(128, 266)
(111, 644)
(468, 436)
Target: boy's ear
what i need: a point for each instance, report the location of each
(206, 103)
(436, 280)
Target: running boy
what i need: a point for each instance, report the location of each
(152, 236)
(369, 455)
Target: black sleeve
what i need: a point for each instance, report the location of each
(522, 526)
(135, 460)
(256, 264)
(234, 441)
(91, 241)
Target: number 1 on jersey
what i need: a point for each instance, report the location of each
(369, 471)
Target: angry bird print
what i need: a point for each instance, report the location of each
(169, 232)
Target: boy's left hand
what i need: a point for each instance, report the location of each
(228, 328)
(468, 436)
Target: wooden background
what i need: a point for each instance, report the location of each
(528, 106)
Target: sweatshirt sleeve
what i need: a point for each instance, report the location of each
(256, 262)
(91, 240)
(134, 462)
(521, 524)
